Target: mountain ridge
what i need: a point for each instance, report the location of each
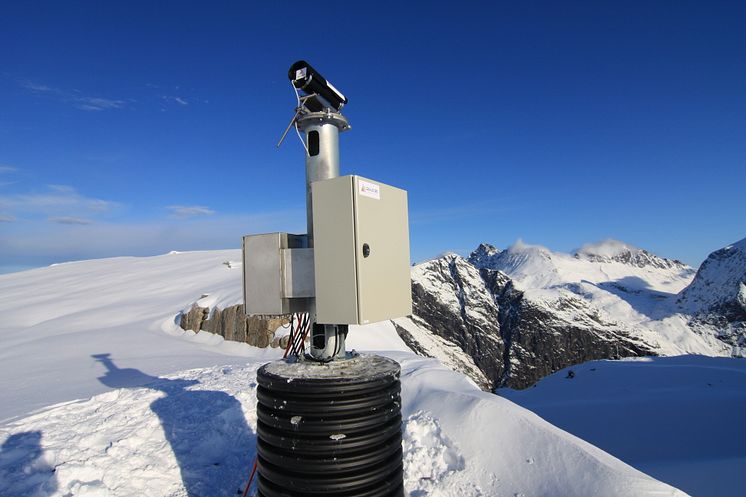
(549, 310)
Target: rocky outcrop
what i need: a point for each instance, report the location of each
(540, 341)
(716, 298)
(233, 324)
(449, 296)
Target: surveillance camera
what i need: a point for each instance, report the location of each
(308, 80)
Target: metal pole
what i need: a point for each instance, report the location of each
(322, 162)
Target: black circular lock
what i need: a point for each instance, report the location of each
(366, 250)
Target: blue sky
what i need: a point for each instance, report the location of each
(136, 128)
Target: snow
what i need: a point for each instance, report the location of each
(127, 404)
(429, 456)
(55, 319)
(193, 434)
(679, 419)
(447, 352)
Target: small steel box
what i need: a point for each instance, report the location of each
(361, 251)
(277, 274)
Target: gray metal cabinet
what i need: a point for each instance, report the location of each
(361, 251)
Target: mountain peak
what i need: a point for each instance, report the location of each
(611, 250)
(484, 255)
(720, 284)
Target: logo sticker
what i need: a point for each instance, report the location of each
(368, 189)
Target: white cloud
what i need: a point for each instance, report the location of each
(7, 169)
(55, 201)
(36, 87)
(6, 219)
(74, 97)
(69, 220)
(175, 99)
(184, 211)
(97, 103)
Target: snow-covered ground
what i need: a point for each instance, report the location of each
(679, 419)
(143, 408)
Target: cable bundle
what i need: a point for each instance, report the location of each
(298, 333)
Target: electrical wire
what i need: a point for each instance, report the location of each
(251, 478)
(295, 350)
(306, 329)
(299, 341)
(290, 337)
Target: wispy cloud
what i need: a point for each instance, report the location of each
(73, 97)
(69, 220)
(36, 87)
(7, 169)
(185, 211)
(97, 103)
(6, 219)
(56, 199)
(175, 99)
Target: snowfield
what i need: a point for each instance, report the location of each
(103, 395)
(679, 419)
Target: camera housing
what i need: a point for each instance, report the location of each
(311, 82)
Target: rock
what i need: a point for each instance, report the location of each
(233, 324)
(449, 295)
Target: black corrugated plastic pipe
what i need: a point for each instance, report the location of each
(330, 429)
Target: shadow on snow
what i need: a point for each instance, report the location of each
(641, 297)
(207, 431)
(23, 471)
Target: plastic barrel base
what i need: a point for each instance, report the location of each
(330, 429)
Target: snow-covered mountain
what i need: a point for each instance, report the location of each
(525, 312)
(717, 297)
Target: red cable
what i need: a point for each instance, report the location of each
(298, 342)
(251, 478)
(305, 334)
(290, 340)
(294, 338)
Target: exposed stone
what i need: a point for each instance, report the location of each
(232, 324)
(450, 296)
(239, 325)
